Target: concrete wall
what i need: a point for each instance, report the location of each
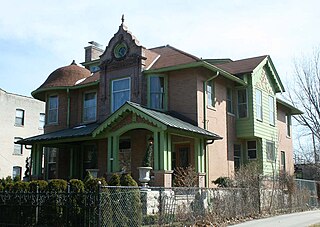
(32, 109)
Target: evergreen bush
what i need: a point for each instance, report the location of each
(20, 186)
(41, 184)
(57, 185)
(114, 180)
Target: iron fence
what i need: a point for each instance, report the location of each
(154, 206)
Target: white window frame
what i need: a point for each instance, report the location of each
(19, 120)
(271, 110)
(93, 107)
(252, 149)
(53, 110)
(210, 90)
(242, 103)
(259, 113)
(113, 108)
(18, 148)
(270, 150)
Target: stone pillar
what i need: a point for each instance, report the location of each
(201, 180)
(163, 178)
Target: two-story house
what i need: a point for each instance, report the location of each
(20, 117)
(213, 114)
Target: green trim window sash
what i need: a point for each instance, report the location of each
(252, 150)
(210, 93)
(271, 111)
(53, 109)
(90, 106)
(259, 105)
(229, 100)
(120, 92)
(270, 150)
(157, 92)
(242, 103)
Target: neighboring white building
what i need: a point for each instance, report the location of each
(20, 117)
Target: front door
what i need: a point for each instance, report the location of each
(181, 156)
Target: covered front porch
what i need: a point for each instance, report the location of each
(119, 144)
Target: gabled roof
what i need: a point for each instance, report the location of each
(161, 119)
(170, 56)
(242, 66)
(78, 131)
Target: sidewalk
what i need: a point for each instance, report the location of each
(301, 219)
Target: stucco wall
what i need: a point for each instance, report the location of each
(32, 109)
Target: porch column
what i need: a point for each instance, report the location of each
(71, 170)
(33, 159)
(115, 150)
(200, 161)
(36, 160)
(156, 152)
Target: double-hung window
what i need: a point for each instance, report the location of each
(288, 123)
(271, 111)
(120, 92)
(270, 149)
(259, 105)
(53, 109)
(90, 106)
(16, 172)
(17, 147)
(237, 156)
(229, 100)
(252, 150)
(19, 117)
(157, 92)
(242, 103)
(210, 93)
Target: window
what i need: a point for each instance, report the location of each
(52, 162)
(259, 105)
(283, 161)
(237, 156)
(229, 100)
(19, 117)
(242, 103)
(42, 120)
(157, 92)
(16, 172)
(90, 106)
(270, 150)
(120, 92)
(252, 149)
(89, 158)
(53, 109)
(288, 123)
(17, 147)
(210, 93)
(271, 110)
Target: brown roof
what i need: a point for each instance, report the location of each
(242, 66)
(170, 56)
(151, 57)
(93, 78)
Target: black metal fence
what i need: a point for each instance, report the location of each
(133, 206)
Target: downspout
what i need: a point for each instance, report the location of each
(68, 109)
(205, 124)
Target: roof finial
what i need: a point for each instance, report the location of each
(73, 62)
(122, 18)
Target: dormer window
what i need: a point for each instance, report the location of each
(157, 92)
(90, 106)
(120, 92)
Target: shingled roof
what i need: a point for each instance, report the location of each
(242, 66)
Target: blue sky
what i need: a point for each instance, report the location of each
(38, 36)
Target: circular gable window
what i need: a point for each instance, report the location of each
(120, 50)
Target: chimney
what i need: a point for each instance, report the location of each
(93, 51)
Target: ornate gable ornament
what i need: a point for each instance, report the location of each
(123, 50)
(263, 83)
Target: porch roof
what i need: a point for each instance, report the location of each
(78, 131)
(160, 118)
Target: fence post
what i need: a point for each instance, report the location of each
(99, 202)
(68, 204)
(37, 204)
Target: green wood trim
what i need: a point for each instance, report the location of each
(163, 151)
(71, 168)
(132, 126)
(33, 159)
(169, 151)
(125, 108)
(38, 160)
(115, 154)
(194, 65)
(156, 156)
(109, 154)
(60, 141)
(205, 147)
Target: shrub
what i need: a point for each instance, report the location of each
(127, 180)
(223, 182)
(41, 184)
(76, 185)
(114, 180)
(185, 177)
(9, 186)
(20, 186)
(93, 184)
(87, 177)
(57, 185)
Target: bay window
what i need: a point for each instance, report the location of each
(242, 103)
(53, 109)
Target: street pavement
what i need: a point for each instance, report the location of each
(300, 219)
